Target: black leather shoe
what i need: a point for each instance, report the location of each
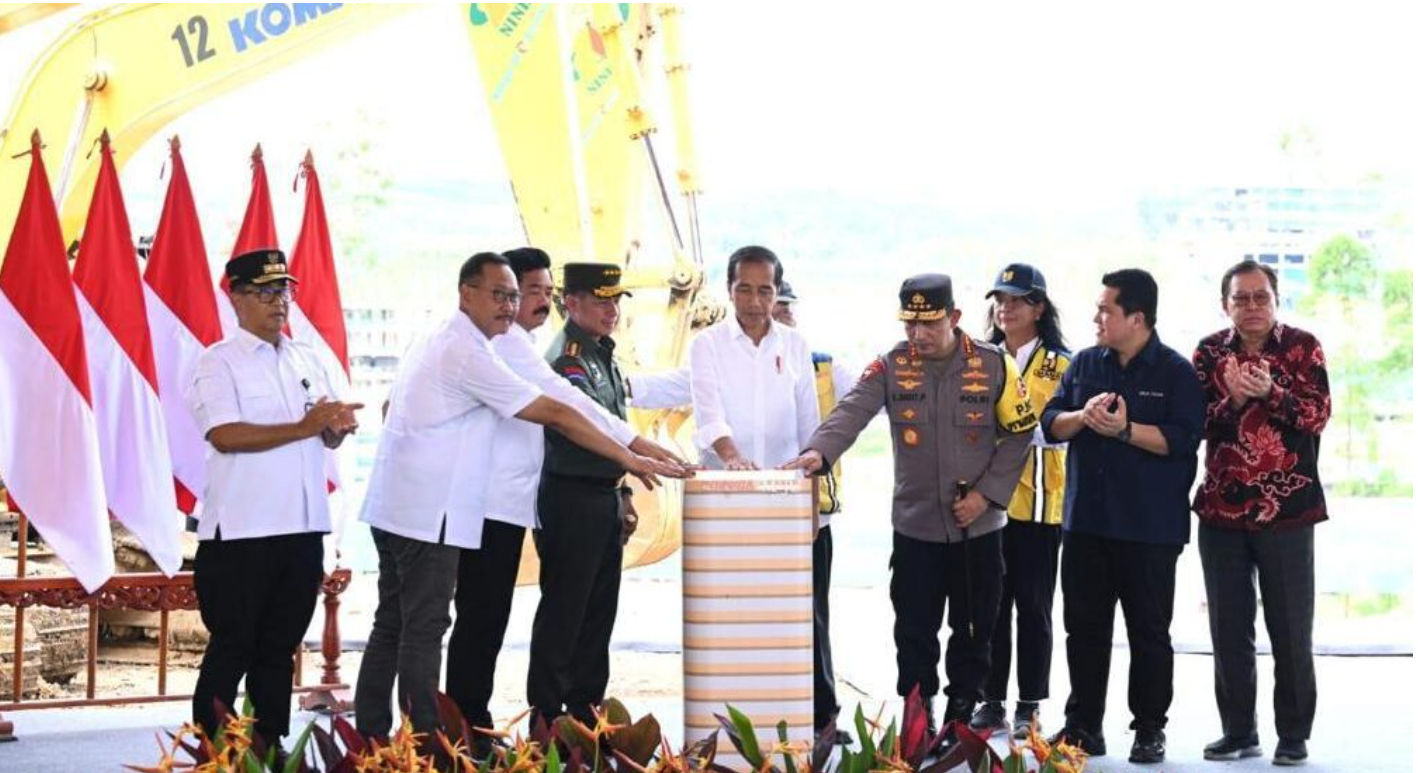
(1291, 752)
(958, 710)
(1230, 748)
(485, 746)
(1026, 717)
(1091, 743)
(1148, 746)
(989, 718)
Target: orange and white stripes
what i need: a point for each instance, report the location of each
(748, 603)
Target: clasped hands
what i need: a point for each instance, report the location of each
(331, 419)
(1106, 413)
(1245, 380)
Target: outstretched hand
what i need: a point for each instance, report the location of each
(809, 461)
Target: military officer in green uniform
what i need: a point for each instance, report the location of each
(961, 426)
(585, 512)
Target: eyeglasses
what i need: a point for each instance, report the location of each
(1261, 299)
(502, 297)
(271, 293)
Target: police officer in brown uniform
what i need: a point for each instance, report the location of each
(960, 429)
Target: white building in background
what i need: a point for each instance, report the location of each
(1281, 226)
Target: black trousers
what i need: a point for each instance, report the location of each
(580, 550)
(1098, 573)
(256, 597)
(824, 680)
(1285, 562)
(486, 579)
(1031, 570)
(924, 577)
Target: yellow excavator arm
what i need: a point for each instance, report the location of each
(565, 89)
(131, 69)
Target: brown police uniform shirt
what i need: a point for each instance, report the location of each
(963, 418)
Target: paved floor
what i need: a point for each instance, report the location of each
(1366, 720)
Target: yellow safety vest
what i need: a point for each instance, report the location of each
(1045, 467)
(829, 487)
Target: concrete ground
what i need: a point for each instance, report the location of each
(1366, 721)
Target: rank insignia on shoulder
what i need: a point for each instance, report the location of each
(875, 367)
(573, 349)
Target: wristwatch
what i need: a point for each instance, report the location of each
(1125, 434)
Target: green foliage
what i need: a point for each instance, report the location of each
(614, 745)
(1346, 288)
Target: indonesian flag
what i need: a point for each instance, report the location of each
(258, 228)
(132, 437)
(182, 315)
(317, 318)
(49, 449)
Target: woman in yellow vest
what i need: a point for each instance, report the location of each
(1025, 323)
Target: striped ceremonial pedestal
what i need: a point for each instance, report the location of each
(748, 604)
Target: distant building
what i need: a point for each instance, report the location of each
(1281, 226)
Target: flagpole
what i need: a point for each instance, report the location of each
(18, 664)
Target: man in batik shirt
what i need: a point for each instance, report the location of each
(1267, 400)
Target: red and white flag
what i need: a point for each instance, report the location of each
(182, 315)
(258, 228)
(49, 449)
(317, 318)
(132, 436)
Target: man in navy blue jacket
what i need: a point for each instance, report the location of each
(1132, 409)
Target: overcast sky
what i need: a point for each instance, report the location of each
(1011, 106)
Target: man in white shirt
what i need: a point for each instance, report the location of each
(487, 575)
(428, 491)
(755, 404)
(751, 380)
(264, 404)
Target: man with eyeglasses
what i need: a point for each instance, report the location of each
(265, 406)
(487, 576)
(429, 488)
(1267, 401)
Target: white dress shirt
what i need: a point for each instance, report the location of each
(1021, 359)
(243, 379)
(764, 397)
(521, 447)
(436, 452)
(666, 389)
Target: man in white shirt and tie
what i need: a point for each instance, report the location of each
(487, 575)
(755, 404)
(428, 491)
